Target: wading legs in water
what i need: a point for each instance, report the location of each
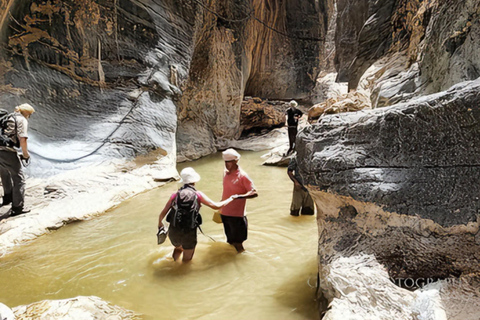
(239, 247)
(187, 254)
(176, 253)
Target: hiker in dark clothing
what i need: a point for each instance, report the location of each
(293, 115)
(183, 230)
(301, 199)
(11, 170)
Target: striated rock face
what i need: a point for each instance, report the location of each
(400, 183)
(351, 17)
(452, 40)
(98, 73)
(440, 35)
(135, 64)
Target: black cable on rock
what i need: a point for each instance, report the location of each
(103, 143)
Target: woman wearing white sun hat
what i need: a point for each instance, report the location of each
(184, 216)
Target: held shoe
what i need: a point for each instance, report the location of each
(161, 235)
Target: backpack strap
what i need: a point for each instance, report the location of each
(206, 235)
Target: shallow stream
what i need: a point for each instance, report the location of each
(115, 257)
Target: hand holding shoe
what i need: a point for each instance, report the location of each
(25, 160)
(161, 235)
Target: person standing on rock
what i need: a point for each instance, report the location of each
(293, 115)
(236, 183)
(185, 217)
(11, 170)
(301, 199)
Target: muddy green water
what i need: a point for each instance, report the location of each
(115, 257)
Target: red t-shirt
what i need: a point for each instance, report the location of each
(236, 182)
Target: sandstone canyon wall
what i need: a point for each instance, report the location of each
(98, 74)
(270, 49)
(114, 74)
(412, 47)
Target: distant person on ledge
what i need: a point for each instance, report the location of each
(11, 170)
(293, 115)
(236, 183)
(301, 199)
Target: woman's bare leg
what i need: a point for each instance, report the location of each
(176, 253)
(188, 255)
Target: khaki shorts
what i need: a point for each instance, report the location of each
(301, 199)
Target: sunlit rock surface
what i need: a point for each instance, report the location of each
(416, 47)
(327, 88)
(349, 102)
(400, 183)
(261, 115)
(6, 313)
(79, 195)
(358, 287)
(74, 309)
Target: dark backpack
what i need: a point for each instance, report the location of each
(5, 117)
(185, 209)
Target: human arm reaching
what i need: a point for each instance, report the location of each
(250, 194)
(164, 212)
(215, 205)
(295, 181)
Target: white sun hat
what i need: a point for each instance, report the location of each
(293, 103)
(189, 175)
(230, 155)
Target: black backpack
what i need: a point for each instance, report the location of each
(6, 141)
(185, 209)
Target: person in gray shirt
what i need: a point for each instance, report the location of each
(11, 170)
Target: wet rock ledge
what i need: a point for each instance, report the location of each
(401, 184)
(75, 308)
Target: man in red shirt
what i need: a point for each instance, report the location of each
(236, 183)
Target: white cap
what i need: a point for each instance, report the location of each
(293, 103)
(230, 155)
(189, 175)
